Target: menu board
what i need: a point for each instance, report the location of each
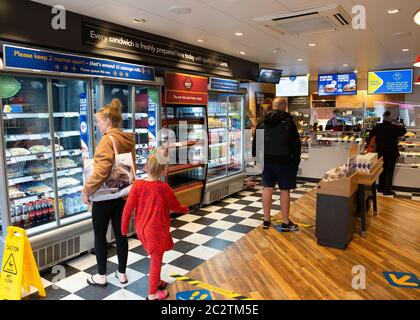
(183, 88)
(390, 81)
(295, 103)
(337, 84)
(294, 86)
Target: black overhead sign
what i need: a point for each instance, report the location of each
(113, 40)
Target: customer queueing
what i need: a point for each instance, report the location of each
(282, 149)
(109, 119)
(386, 135)
(152, 199)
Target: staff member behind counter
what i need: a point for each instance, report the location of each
(386, 135)
(334, 123)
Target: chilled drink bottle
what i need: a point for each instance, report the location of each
(38, 212)
(25, 217)
(32, 214)
(12, 215)
(45, 212)
(51, 209)
(18, 216)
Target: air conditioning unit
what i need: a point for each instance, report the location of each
(317, 20)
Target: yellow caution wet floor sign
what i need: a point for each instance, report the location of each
(19, 267)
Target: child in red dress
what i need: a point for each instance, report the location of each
(152, 199)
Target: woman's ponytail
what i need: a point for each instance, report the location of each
(112, 111)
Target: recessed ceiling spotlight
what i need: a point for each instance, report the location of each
(139, 20)
(300, 60)
(312, 44)
(202, 40)
(345, 65)
(405, 50)
(239, 34)
(276, 50)
(417, 17)
(393, 11)
(242, 53)
(179, 10)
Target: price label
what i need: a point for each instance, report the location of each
(45, 176)
(71, 133)
(26, 200)
(35, 137)
(71, 114)
(22, 180)
(27, 158)
(12, 161)
(22, 137)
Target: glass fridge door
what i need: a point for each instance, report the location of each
(123, 93)
(146, 107)
(71, 131)
(218, 135)
(185, 126)
(28, 143)
(235, 125)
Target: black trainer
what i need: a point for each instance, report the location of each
(266, 224)
(389, 193)
(289, 227)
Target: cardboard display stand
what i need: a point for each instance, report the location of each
(336, 206)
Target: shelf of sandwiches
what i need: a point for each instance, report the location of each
(409, 147)
(38, 152)
(328, 138)
(40, 115)
(339, 181)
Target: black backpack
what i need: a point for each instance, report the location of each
(277, 138)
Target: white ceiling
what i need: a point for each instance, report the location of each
(218, 20)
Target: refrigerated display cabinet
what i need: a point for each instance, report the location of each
(226, 172)
(45, 129)
(47, 125)
(183, 132)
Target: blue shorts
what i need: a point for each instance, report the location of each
(282, 174)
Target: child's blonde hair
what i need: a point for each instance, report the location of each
(157, 162)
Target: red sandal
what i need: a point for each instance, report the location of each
(162, 295)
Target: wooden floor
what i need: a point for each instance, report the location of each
(276, 266)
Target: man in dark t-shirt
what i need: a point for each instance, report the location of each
(386, 135)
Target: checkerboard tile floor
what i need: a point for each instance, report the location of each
(198, 236)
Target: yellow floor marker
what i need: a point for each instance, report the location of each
(209, 287)
(194, 295)
(19, 267)
(279, 221)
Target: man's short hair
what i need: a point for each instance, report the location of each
(280, 103)
(387, 116)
